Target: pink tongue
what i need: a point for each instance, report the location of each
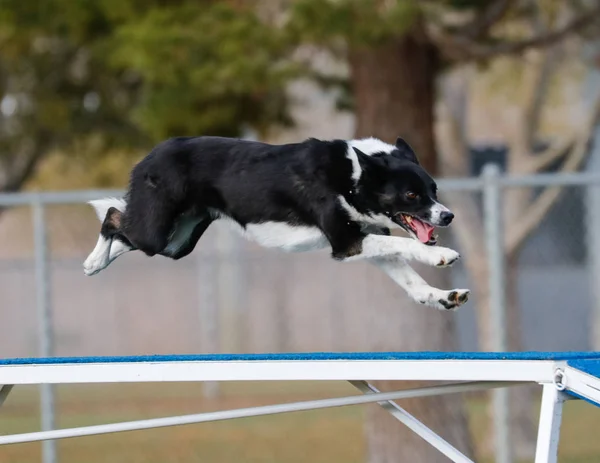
(424, 230)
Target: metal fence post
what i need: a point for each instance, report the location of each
(208, 270)
(44, 314)
(590, 90)
(492, 216)
(592, 220)
(230, 271)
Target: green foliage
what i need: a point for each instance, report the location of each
(206, 68)
(351, 21)
(62, 90)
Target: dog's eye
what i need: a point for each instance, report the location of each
(411, 195)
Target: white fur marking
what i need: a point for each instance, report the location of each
(381, 220)
(372, 145)
(368, 146)
(290, 238)
(286, 237)
(356, 169)
(101, 206)
(436, 212)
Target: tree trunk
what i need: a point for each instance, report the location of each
(394, 90)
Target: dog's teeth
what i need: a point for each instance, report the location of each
(408, 218)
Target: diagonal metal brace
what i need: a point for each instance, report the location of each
(414, 425)
(4, 391)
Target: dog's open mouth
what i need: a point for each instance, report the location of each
(419, 229)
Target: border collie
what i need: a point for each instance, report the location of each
(341, 195)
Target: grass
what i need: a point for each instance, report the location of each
(333, 435)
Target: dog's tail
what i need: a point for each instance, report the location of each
(101, 206)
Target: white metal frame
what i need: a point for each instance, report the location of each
(555, 377)
(279, 370)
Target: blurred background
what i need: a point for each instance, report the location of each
(499, 98)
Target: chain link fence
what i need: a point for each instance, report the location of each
(231, 296)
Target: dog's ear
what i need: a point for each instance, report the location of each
(362, 157)
(369, 161)
(374, 167)
(404, 151)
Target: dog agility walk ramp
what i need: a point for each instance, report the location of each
(562, 375)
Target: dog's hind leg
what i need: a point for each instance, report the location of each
(150, 220)
(417, 288)
(186, 235)
(103, 254)
(118, 248)
(99, 257)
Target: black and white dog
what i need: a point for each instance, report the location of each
(345, 195)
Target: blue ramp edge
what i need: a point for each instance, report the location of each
(589, 366)
(565, 356)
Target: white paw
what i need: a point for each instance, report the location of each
(93, 264)
(444, 300)
(439, 257)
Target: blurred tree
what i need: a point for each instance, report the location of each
(83, 77)
(396, 51)
(209, 67)
(55, 91)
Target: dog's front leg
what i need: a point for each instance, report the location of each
(417, 288)
(350, 243)
(376, 246)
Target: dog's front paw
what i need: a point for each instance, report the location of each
(440, 257)
(454, 299)
(440, 299)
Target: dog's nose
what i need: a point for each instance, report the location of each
(446, 217)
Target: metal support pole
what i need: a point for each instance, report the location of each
(592, 216)
(549, 427)
(492, 215)
(209, 310)
(45, 332)
(592, 219)
(231, 271)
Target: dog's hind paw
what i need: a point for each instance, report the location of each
(454, 299)
(94, 264)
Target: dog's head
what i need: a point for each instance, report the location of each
(404, 191)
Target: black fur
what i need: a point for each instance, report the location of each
(252, 182)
